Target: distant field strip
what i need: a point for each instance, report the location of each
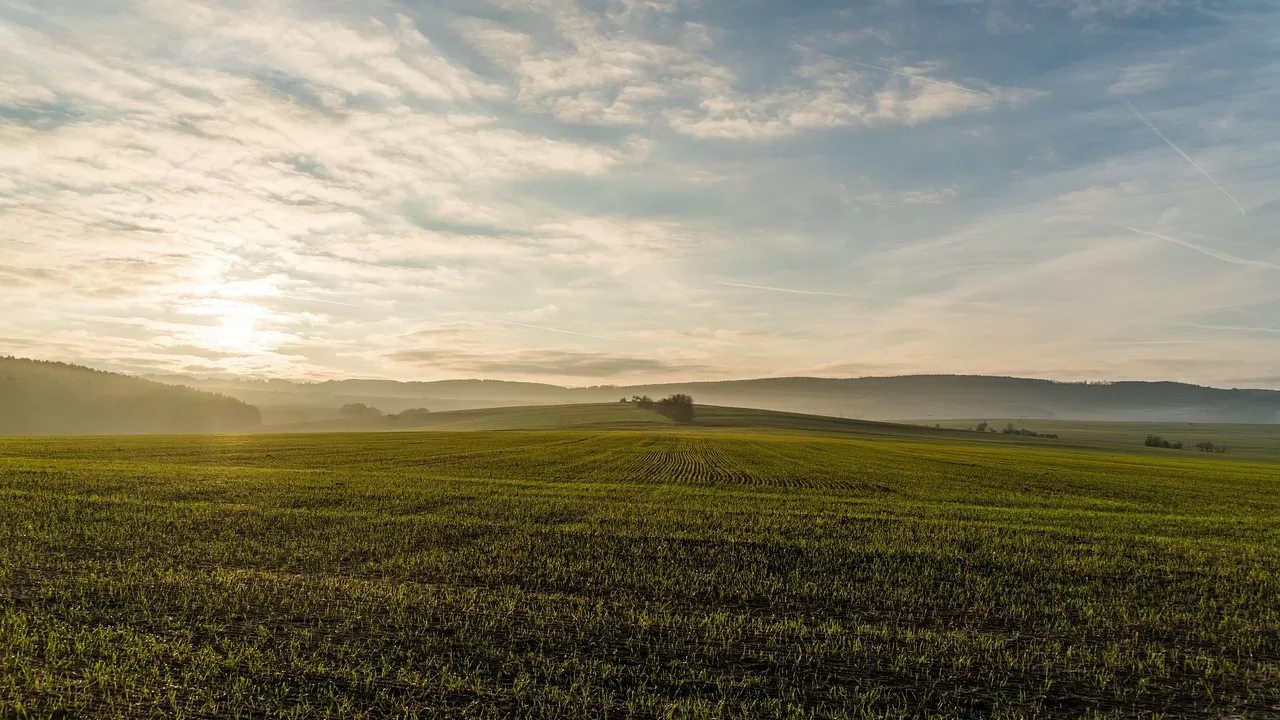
(632, 574)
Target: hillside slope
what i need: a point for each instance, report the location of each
(594, 416)
(50, 398)
(953, 396)
(625, 416)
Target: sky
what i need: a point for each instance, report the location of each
(620, 191)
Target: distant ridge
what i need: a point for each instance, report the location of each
(53, 398)
(914, 397)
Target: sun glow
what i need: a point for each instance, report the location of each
(231, 326)
(235, 333)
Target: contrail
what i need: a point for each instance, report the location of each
(899, 72)
(789, 290)
(1177, 149)
(1215, 254)
(548, 329)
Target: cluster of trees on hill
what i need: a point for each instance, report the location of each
(361, 411)
(1010, 429)
(1159, 442)
(678, 407)
(51, 398)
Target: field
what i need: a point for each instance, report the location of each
(607, 416)
(1254, 442)
(651, 572)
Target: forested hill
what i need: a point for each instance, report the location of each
(50, 398)
(910, 397)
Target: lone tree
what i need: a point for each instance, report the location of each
(678, 407)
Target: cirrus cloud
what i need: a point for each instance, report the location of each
(588, 189)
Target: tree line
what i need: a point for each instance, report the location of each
(1011, 429)
(361, 411)
(1158, 442)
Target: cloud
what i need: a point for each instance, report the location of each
(26, 275)
(902, 73)
(1000, 21)
(308, 189)
(856, 369)
(1143, 77)
(549, 329)
(599, 69)
(1264, 380)
(556, 363)
(1233, 328)
(1120, 8)
(391, 59)
(791, 291)
(919, 197)
(1155, 342)
(825, 93)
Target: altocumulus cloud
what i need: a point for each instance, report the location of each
(631, 189)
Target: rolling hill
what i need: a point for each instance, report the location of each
(50, 398)
(626, 416)
(1258, 442)
(875, 398)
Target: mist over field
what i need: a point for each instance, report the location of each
(882, 398)
(54, 398)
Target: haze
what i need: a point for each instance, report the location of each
(643, 191)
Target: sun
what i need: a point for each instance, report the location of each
(234, 332)
(235, 328)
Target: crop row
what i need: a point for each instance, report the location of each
(628, 574)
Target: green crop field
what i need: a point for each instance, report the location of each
(1253, 442)
(654, 572)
